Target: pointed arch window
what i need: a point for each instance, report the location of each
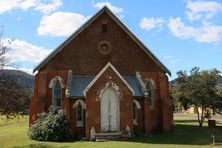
(135, 114)
(150, 92)
(136, 107)
(57, 94)
(79, 107)
(79, 114)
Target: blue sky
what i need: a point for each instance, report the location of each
(181, 33)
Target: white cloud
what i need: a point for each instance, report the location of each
(21, 51)
(172, 60)
(25, 69)
(206, 33)
(7, 5)
(38, 5)
(202, 9)
(26, 4)
(178, 29)
(210, 34)
(113, 8)
(60, 23)
(151, 23)
(167, 57)
(50, 7)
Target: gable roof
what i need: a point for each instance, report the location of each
(104, 9)
(101, 72)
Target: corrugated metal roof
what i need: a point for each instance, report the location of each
(79, 83)
(132, 81)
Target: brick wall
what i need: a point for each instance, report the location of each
(93, 116)
(83, 57)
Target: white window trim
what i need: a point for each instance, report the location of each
(138, 106)
(53, 99)
(83, 105)
(79, 123)
(152, 98)
(53, 80)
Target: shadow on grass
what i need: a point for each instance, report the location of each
(184, 135)
(35, 146)
(186, 121)
(41, 145)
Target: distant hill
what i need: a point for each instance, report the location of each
(25, 77)
(173, 82)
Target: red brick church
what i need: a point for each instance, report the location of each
(106, 80)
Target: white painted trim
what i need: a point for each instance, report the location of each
(152, 99)
(110, 98)
(152, 82)
(53, 94)
(135, 122)
(83, 104)
(79, 123)
(101, 72)
(140, 81)
(68, 83)
(114, 86)
(144, 83)
(52, 82)
(138, 106)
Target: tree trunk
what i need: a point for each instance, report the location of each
(198, 115)
(202, 116)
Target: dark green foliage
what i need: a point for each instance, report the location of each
(15, 93)
(27, 79)
(51, 126)
(200, 90)
(12, 92)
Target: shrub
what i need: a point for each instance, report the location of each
(51, 126)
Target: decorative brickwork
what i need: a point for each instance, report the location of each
(105, 55)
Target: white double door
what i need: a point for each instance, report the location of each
(109, 110)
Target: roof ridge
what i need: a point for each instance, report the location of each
(109, 12)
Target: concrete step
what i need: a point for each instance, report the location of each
(107, 136)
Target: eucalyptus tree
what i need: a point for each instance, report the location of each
(200, 90)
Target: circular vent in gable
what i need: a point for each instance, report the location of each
(104, 47)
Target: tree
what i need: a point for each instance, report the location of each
(180, 102)
(3, 49)
(12, 93)
(14, 96)
(218, 106)
(199, 89)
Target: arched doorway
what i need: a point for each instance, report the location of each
(109, 110)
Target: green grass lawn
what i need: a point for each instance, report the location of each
(186, 134)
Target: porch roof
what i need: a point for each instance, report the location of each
(79, 83)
